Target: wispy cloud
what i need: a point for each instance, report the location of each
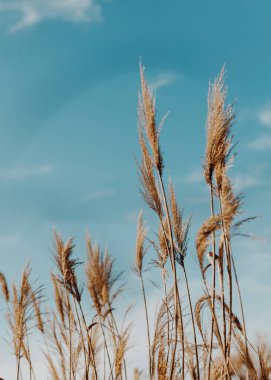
(255, 176)
(245, 181)
(25, 172)
(264, 115)
(94, 195)
(31, 12)
(131, 216)
(9, 239)
(163, 79)
(195, 176)
(260, 143)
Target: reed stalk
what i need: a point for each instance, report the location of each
(147, 324)
(89, 342)
(178, 309)
(213, 282)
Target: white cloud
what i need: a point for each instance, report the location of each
(245, 181)
(131, 216)
(265, 116)
(31, 12)
(98, 195)
(24, 172)
(260, 143)
(9, 240)
(163, 79)
(195, 176)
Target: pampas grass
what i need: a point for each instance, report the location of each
(206, 339)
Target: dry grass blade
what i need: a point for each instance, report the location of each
(203, 302)
(198, 309)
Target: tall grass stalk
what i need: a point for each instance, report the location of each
(213, 282)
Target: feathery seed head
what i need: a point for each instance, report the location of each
(231, 203)
(22, 313)
(4, 287)
(147, 119)
(150, 190)
(120, 352)
(219, 124)
(202, 240)
(59, 297)
(164, 240)
(180, 228)
(36, 305)
(66, 265)
(100, 278)
(140, 240)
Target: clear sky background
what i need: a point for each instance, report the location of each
(69, 83)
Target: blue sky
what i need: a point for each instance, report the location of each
(69, 83)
